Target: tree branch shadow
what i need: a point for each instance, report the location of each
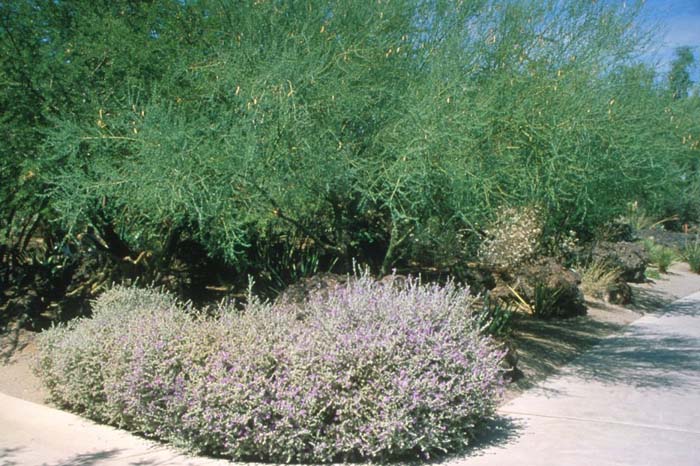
(643, 360)
(6, 455)
(10, 344)
(498, 432)
(86, 459)
(546, 346)
(651, 301)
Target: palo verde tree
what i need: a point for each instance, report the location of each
(679, 77)
(276, 134)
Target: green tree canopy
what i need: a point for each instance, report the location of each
(269, 131)
(679, 77)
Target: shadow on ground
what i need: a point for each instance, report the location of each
(11, 342)
(7, 455)
(651, 301)
(544, 346)
(644, 359)
(682, 308)
(500, 432)
(87, 459)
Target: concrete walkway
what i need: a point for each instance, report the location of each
(32, 434)
(632, 400)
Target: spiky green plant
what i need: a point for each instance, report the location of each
(659, 255)
(597, 277)
(691, 254)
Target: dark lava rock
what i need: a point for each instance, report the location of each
(548, 278)
(619, 293)
(629, 258)
(670, 239)
(510, 361)
(480, 279)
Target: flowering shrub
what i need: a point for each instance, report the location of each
(80, 360)
(366, 371)
(513, 238)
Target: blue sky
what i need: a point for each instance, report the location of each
(679, 24)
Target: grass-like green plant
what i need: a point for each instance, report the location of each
(651, 273)
(597, 277)
(663, 257)
(496, 317)
(691, 254)
(545, 301)
(659, 255)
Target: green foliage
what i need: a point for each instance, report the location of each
(652, 273)
(496, 318)
(597, 278)
(271, 132)
(638, 219)
(679, 77)
(659, 255)
(545, 301)
(691, 254)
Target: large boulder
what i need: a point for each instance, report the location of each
(479, 278)
(629, 258)
(547, 281)
(618, 293)
(548, 288)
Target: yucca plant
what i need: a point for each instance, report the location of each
(545, 301)
(496, 317)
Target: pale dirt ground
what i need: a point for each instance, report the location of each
(17, 350)
(543, 346)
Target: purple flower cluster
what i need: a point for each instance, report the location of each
(370, 371)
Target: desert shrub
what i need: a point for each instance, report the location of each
(79, 360)
(597, 278)
(365, 371)
(659, 255)
(513, 238)
(691, 254)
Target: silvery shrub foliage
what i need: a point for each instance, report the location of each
(366, 371)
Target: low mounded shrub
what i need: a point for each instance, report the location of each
(365, 371)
